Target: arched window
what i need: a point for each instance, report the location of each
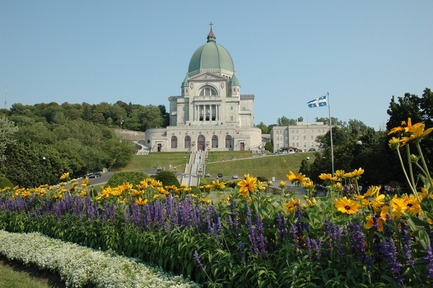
(228, 141)
(208, 91)
(187, 141)
(201, 143)
(173, 142)
(214, 141)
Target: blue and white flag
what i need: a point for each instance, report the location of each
(319, 102)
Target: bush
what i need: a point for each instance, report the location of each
(167, 178)
(131, 177)
(5, 182)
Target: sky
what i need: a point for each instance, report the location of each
(285, 52)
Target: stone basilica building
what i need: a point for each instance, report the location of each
(211, 113)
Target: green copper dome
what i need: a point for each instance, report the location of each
(211, 57)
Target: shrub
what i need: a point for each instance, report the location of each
(5, 182)
(130, 177)
(167, 178)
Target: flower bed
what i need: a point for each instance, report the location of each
(80, 266)
(252, 238)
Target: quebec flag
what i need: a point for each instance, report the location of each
(319, 102)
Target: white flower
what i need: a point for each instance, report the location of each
(79, 266)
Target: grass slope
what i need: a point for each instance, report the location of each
(227, 163)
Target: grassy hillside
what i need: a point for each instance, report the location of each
(227, 163)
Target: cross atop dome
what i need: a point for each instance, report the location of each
(211, 35)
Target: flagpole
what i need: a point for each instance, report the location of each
(330, 134)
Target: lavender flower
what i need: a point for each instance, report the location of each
(198, 260)
(406, 242)
(261, 238)
(429, 259)
(390, 252)
(317, 245)
(357, 240)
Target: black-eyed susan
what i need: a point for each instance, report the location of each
(247, 186)
(292, 204)
(347, 206)
(412, 204)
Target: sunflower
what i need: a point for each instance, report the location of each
(347, 206)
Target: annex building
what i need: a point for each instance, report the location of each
(211, 113)
(301, 136)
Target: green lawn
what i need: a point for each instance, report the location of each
(227, 163)
(15, 275)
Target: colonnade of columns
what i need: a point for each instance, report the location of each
(207, 112)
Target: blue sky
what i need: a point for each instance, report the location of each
(285, 52)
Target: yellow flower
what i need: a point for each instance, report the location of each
(423, 193)
(125, 187)
(300, 178)
(384, 212)
(204, 200)
(347, 206)
(398, 206)
(394, 143)
(291, 176)
(354, 174)
(135, 192)
(370, 222)
(378, 202)
(292, 204)
(338, 186)
(309, 202)
(372, 190)
(307, 183)
(248, 185)
(162, 191)
(85, 182)
(328, 177)
(141, 202)
(282, 184)
(217, 184)
(261, 185)
(339, 174)
(412, 204)
(64, 176)
(83, 193)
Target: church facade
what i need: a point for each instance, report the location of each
(211, 113)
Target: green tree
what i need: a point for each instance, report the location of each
(419, 109)
(269, 147)
(263, 127)
(150, 117)
(7, 130)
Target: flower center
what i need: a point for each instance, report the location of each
(347, 207)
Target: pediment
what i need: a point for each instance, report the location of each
(206, 77)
